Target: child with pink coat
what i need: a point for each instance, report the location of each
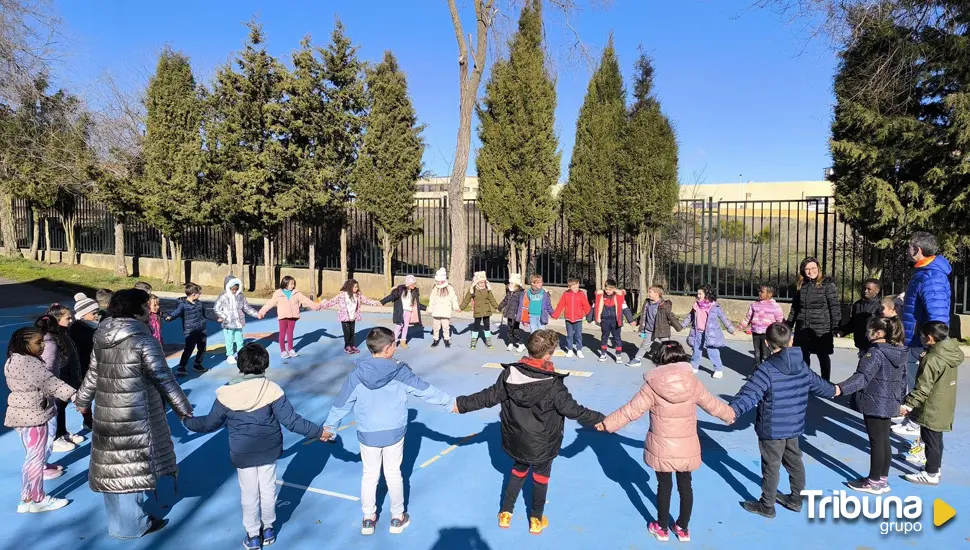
(348, 302)
(288, 300)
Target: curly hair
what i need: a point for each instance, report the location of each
(349, 286)
(709, 292)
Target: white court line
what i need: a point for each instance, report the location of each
(15, 324)
(318, 491)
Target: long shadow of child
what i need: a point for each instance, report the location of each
(491, 435)
(617, 464)
(717, 458)
(308, 462)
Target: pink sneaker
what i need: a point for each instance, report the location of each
(654, 529)
(683, 535)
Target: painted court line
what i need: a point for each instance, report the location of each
(432, 460)
(318, 491)
(340, 429)
(580, 373)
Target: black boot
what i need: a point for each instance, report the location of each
(434, 343)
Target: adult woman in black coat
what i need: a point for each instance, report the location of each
(815, 315)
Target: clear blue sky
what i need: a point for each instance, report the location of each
(748, 92)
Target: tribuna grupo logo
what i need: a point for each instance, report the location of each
(894, 514)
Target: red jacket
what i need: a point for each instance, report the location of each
(574, 304)
(618, 301)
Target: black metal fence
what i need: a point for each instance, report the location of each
(734, 245)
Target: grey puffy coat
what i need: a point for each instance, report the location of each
(131, 444)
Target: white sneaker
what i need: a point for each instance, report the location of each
(923, 478)
(284, 356)
(75, 438)
(48, 504)
(906, 429)
(602, 357)
(579, 354)
(231, 359)
(918, 458)
(619, 359)
(717, 374)
(521, 348)
(570, 353)
(293, 353)
(62, 445)
(510, 347)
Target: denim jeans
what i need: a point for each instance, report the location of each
(574, 335)
(127, 517)
(714, 353)
(535, 323)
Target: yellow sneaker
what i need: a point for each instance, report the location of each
(536, 525)
(504, 519)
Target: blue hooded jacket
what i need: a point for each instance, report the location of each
(192, 314)
(377, 390)
(779, 388)
(927, 298)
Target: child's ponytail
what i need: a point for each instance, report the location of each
(671, 352)
(892, 327)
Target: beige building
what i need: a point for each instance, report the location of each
(433, 188)
(758, 191)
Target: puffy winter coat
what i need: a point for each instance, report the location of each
(574, 305)
(671, 393)
(663, 321)
(534, 402)
(342, 301)
(927, 297)
(523, 314)
(862, 310)
(816, 307)
(82, 335)
(879, 383)
(934, 398)
(761, 315)
(192, 314)
(253, 408)
(621, 311)
(442, 306)
(131, 444)
(780, 388)
(511, 304)
(482, 300)
(233, 307)
(288, 308)
(61, 357)
(33, 389)
(416, 306)
(713, 334)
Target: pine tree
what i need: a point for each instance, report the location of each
(649, 187)
(390, 158)
(590, 199)
(173, 192)
(518, 162)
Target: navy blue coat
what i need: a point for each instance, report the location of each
(780, 388)
(253, 408)
(879, 383)
(927, 298)
(192, 314)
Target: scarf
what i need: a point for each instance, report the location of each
(701, 311)
(287, 293)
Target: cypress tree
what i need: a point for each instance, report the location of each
(590, 198)
(390, 158)
(518, 162)
(648, 190)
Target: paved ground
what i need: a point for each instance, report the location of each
(601, 494)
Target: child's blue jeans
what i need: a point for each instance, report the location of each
(714, 353)
(574, 335)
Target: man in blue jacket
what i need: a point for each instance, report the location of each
(927, 299)
(780, 389)
(377, 390)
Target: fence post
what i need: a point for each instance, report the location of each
(825, 235)
(445, 234)
(711, 236)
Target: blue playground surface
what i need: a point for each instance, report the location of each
(601, 494)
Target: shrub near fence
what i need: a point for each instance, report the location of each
(734, 245)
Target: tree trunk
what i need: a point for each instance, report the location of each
(7, 229)
(513, 261)
(168, 266)
(177, 265)
(312, 261)
(524, 264)
(229, 260)
(267, 263)
(240, 258)
(601, 252)
(642, 253)
(47, 241)
(67, 222)
(652, 261)
(388, 252)
(121, 266)
(344, 268)
(35, 232)
(874, 262)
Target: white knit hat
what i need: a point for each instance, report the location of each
(84, 305)
(441, 276)
(515, 279)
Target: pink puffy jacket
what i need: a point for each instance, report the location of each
(288, 309)
(671, 394)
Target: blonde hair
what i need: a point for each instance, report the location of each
(659, 289)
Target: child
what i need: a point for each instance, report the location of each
(610, 309)
(377, 389)
(933, 399)
(656, 319)
(62, 360)
(780, 389)
(671, 394)
(575, 305)
(231, 308)
(141, 285)
(705, 321)
(288, 300)
(483, 306)
(534, 403)
(535, 305)
(253, 408)
(103, 297)
(511, 309)
(82, 332)
(865, 308)
(441, 303)
(348, 302)
(30, 411)
(192, 313)
(407, 308)
(890, 306)
(878, 387)
(761, 314)
(155, 318)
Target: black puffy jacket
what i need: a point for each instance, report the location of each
(816, 307)
(534, 403)
(862, 311)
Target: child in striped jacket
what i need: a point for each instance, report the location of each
(760, 316)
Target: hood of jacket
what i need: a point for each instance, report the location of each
(940, 264)
(113, 332)
(895, 354)
(788, 360)
(674, 382)
(949, 350)
(377, 372)
(231, 282)
(527, 385)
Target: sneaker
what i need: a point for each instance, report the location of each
(918, 458)
(923, 478)
(718, 374)
(398, 525)
(866, 485)
(252, 543)
(488, 344)
(403, 345)
(231, 359)
(293, 353)
(62, 445)
(634, 363)
(504, 519)
(48, 504)
(510, 347)
(75, 438)
(367, 526)
(181, 372)
(447, 343)
(756, 507)
(521, 348)
(619, 359)
(199, 368)
(353, 348)
(654, 529)
(53, 473)
(269, 536)
(472, 346)
(906, 429)
(683, 535)
(579, 354)
(434, 343)
(602, 358)
(536, 525)
(348, 351)
(570, 353)
(789, 502)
